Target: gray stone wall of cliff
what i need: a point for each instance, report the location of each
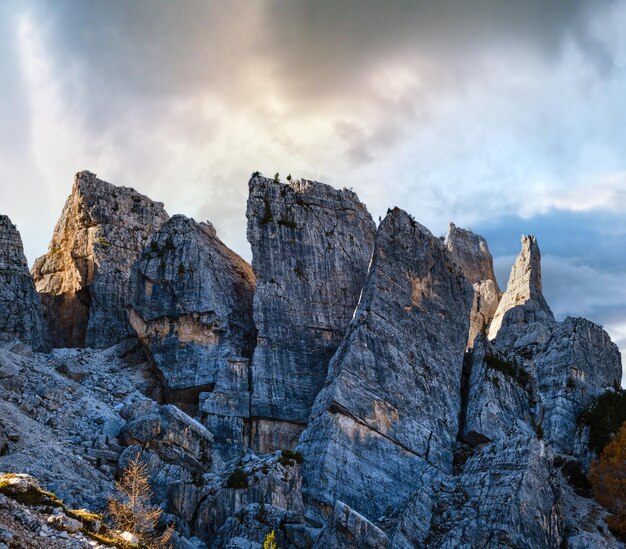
(391, 404)
(191, 307)
(311, 247)
(21, 313)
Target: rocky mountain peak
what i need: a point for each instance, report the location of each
(311, 247)
(328, 393)
(523, 302)
(83, 278)
(471, 252)
(20, 307)
(393, 386)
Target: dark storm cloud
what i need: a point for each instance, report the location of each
(325, 44)
(314, 49)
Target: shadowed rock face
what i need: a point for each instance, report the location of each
(20, 306)
(392, 400)
(470, 252)
(191, 306)
(311, 246)
(83, 279)
(523, 303)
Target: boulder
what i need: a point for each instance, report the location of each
(347, 529)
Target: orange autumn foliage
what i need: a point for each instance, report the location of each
(130, 509)
(608, 479)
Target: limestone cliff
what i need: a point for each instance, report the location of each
(471, 252)
(413, 435)
(392, 399)
(523, 303)
(20, 307)
(191, 306)
(83, 279)
(311, 246)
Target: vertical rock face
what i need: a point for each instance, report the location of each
(391, 404)
(523, 303)
(20, 307)
(83, 279)
(470, 252)
(497, 396)
(191, 306)
(578, 363)
(311, 246)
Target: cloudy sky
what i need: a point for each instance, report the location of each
(507, 117)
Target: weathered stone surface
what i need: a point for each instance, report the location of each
(209, 503)
(471, 252)
(498, 400)
(413, 524)
(173, 435)
(83, 279)
(311, 246)
(249, 528)
(578, 363)
(523, 303)
(392, 400)
(20, 307)
(191, 306)
(349, 530)
(507, 496)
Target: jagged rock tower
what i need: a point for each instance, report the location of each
(20, 306)
(523, 303)
(311, 247)
(191, 306)
(471, 252)
(389, 410)
(83, 279)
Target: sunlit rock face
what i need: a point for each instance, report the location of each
(391, 404)
(471, 252)
(20, 307)
(311, 247)
(191, 306)
(83, 279)
(523, 303)
(578, 363)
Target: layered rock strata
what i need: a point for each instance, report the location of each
(390, 407)
(311, 246)
(471, 252)
(191, 306)
(83, 279)
(20, 307)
